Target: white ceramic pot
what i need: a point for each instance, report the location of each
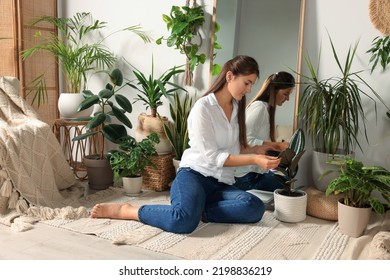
(352, 220)
(291, 209)
(176, 164)
(68, 104)
(132, 185)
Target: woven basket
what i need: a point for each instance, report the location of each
(160, 178)
(379, 11)
(321, 206)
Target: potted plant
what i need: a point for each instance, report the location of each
(80, 49)
(332, 114)
(357, 183)
(290, 203)
(101, 125)
(184, 23)
(130, 160)
(176, 131)
(151, 90)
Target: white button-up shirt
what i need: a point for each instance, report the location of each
(257, 131)
(212, 138)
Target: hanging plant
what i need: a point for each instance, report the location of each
(184, 23)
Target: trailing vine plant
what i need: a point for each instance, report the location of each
(184, 23)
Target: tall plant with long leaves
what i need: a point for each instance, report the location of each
(78, 46)
(177, 131)
(331, 109)
(151, 89)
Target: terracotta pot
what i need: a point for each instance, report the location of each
(291, 209)
(148, 124)
(352, 220)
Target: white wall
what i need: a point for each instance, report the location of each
(347, 22)
(148, 14)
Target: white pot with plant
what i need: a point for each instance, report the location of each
(290, 203)
(130, 160)
(332, 113)
(357, 183)
(78, 56)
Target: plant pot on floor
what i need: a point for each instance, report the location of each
(352, 220)
(100, 173)
(291, 209)
(132, 185)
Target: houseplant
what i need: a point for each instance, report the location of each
(130, 160)
(331, 112)
(184, 23)
(80, 50)
(151, 89)
(101, 124)
(290, 203)
(357, 182)
(177, 132)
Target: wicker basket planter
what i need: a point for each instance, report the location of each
(159, 179)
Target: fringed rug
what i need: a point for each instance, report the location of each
(268, 239)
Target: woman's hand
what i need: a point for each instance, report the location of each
(267, 162)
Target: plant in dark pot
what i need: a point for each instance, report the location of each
(332, 113)
(130, 160)
(151, 90)
(176, 131)
(357, 183)
(101, 127)
(290, 203)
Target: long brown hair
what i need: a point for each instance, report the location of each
(268, 91)
(241, 65)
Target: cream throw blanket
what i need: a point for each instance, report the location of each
(33, 168)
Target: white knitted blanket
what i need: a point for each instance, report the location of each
(33, 168)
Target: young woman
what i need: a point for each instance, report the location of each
(203, 188)
(260, 125)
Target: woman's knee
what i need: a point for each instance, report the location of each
(256, 209)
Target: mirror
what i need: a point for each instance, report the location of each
(271, 31)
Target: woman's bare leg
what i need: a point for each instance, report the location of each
(123, 211)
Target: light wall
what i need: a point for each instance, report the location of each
(346, 21)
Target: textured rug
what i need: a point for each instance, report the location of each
(268, 239)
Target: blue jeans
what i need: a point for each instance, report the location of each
(195, 197)
(264, 182)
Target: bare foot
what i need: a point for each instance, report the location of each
(123, 211)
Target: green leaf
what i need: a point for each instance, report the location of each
(114, 132)
(88, 102)
(124, 103)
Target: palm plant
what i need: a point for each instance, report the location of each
(177, 132)
(331, 109)
(77, 50)
(152, 89)
(357, 182)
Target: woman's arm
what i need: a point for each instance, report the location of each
(265, 162)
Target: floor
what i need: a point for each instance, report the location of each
(45, 242)
(49, 243)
